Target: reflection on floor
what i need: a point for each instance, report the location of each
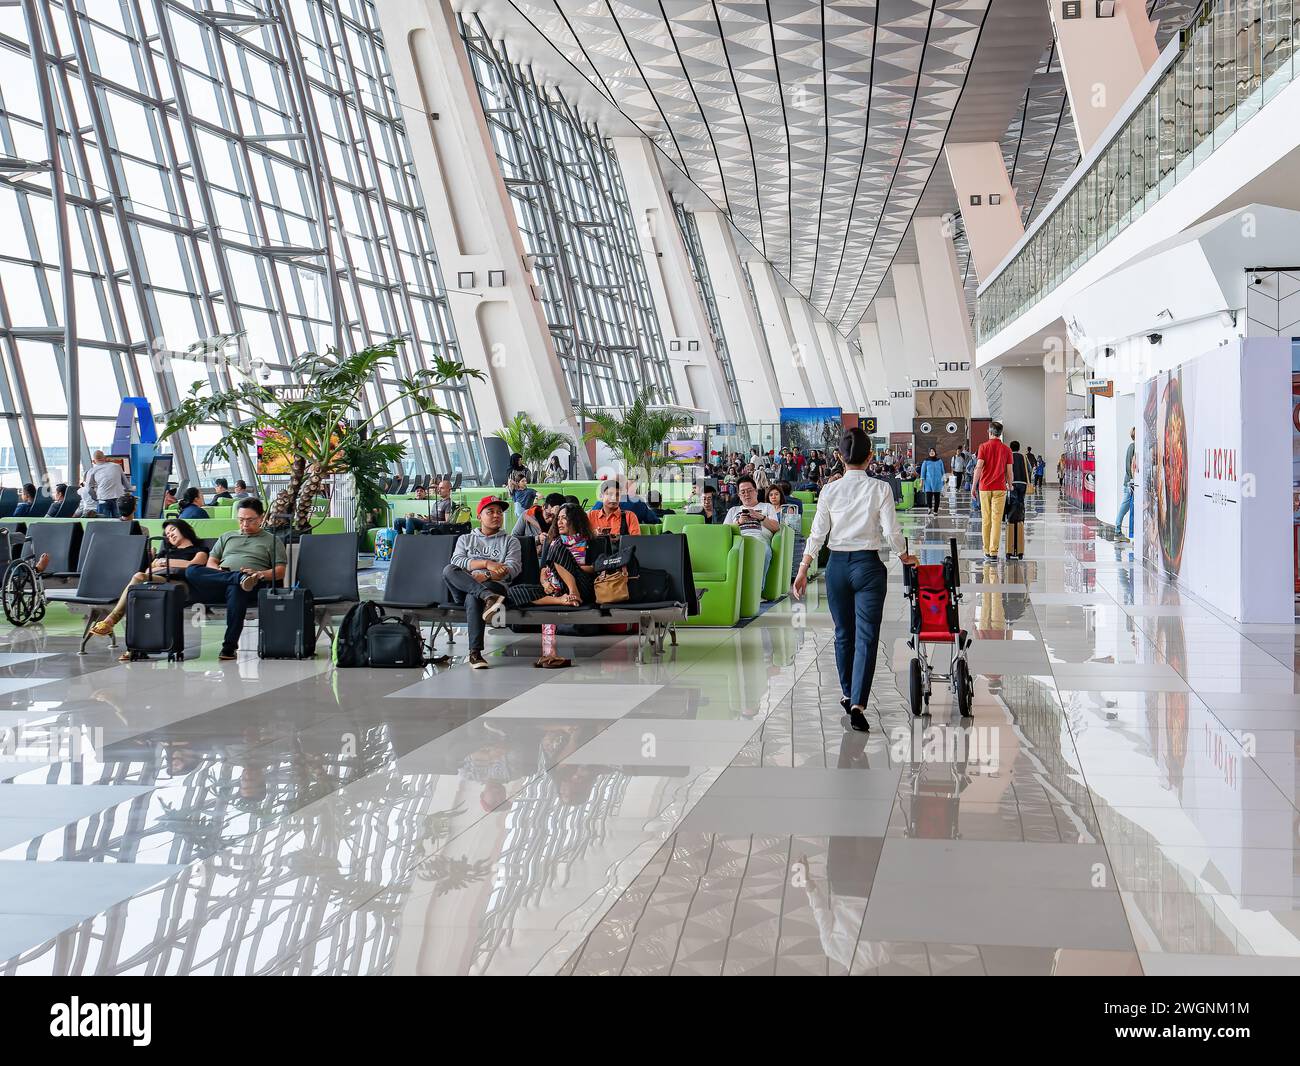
(1124, 800)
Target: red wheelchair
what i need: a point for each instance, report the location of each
(934, 592)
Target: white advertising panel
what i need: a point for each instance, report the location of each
(1211, 477)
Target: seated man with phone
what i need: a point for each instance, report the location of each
(754, 519)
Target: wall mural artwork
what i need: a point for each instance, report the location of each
(945, 435)
(942, 403)
(1164, 471)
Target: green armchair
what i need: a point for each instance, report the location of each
(778, 574)
(676, 523)
(716, 561)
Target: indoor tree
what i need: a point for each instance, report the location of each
(533, 443)
(637, 433)
(325, 428)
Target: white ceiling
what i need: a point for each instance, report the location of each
(817, 126)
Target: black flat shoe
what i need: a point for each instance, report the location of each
(844, 704)
(858, 721)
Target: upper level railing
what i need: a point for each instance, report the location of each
(1231, 61)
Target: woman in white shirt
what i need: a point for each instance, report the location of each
(856, 520)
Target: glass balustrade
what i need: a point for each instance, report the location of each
(1233, 59)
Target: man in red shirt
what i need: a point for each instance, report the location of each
(992, 478)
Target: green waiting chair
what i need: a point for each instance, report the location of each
(716, 562)
(778, 574)
(676, 523)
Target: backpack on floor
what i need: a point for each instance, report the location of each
(350, 643)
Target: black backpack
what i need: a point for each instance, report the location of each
(350, 645)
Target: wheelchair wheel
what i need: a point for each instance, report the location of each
(20, 595)
(916, 689)
(965, 687)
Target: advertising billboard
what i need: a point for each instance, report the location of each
(811, 428)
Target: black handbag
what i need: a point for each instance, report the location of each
(651, 586)
(392, 642)
(621, 558)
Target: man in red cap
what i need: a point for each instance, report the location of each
(485, 561)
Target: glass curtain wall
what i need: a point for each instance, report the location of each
(1236, 56)
(200, 144)
(700, 273)
(577, 228)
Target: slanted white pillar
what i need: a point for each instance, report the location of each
(1103, 60)
(912, 320)
(945, 308)
(873, 373)
(751, 359)
(792, 375)
(902, 405)
(809, 351)
(697, 372)
(501, 330)
(826, 337)
(986, 201)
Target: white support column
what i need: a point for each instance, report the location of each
(826, 334)
(781, 341)
(945, 306)
(751, 359)
(853, 368)
(682, 316)
(874, 377)
(980, 174)
(919, 354)
(501, 330)
(810, 351)
(1103, 60)
(902, 405)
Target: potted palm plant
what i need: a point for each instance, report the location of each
(324, 429)
(533, 443)
(638, 433)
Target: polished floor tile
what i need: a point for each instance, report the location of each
(1124, 799)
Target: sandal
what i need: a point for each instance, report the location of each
(552, 662)
(102, 629)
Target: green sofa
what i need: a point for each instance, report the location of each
(716, 562)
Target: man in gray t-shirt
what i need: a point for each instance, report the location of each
(239, 564)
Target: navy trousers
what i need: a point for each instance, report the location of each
(856, 583)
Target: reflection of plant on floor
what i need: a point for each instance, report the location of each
(449, 873)
(438, 828)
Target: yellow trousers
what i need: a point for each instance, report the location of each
(992, 504)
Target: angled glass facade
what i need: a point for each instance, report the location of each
(700, 273)
(200, 146)
(573, 216)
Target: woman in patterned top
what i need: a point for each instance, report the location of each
(567, 578)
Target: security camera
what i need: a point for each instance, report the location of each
(1154, 338)
(1257, 280)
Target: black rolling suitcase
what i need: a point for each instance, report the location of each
(155, 619)
(286, 619)
(286, 624)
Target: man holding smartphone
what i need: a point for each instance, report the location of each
(754, 519)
